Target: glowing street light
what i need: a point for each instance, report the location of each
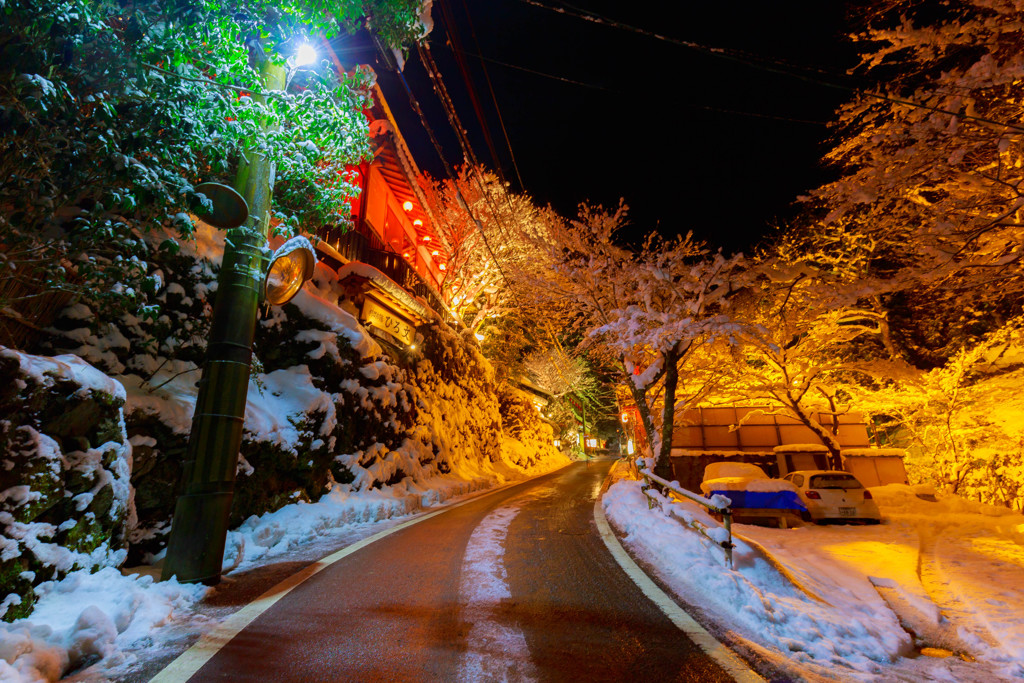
(291, 266)
(304, 55)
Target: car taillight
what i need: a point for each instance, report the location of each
(867, 495)
(813, 495)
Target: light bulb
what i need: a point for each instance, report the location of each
(306, 54)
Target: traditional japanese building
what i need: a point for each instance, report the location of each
(390, 263)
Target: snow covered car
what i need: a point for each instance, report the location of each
(755, 498)
(834, 496)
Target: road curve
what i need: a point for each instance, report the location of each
(514, 586)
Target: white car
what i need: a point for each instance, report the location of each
(831, 495)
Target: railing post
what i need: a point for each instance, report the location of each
(727, 523)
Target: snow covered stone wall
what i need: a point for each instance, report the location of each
(65, 498)
(329, 409)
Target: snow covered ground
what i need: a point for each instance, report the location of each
(102, 625)
(933, 593)
(851, 603)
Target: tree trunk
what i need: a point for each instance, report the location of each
(834, 460)
(663, 465)
(640, 398)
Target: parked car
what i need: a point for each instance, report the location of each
(755, 498)
(834, 496)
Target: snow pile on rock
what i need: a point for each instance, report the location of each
(65, 497)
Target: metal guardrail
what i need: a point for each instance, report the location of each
(649, 479)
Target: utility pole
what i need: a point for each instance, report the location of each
(195, 551)
(583, 408)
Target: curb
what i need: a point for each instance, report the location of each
(728, 660)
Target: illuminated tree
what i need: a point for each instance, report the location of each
(491, 238)
(933, 176)
(651, 311)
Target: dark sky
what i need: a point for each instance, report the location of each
(690, 140)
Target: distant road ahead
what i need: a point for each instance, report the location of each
(515, 586)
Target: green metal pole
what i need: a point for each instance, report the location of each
(195, 550)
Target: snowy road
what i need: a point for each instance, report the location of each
(513, 586)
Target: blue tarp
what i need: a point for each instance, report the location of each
(779, 500)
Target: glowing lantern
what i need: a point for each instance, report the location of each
(441, 266)
(407, 206)
(290, 267)
(418, 223)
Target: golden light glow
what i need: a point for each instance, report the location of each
(418, 223)
(479, 336)
(442, 267)
(287, 274)
(426, 238)
(625, 417)
(407, 206)
(435, 252)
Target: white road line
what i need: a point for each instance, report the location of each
(723, 656)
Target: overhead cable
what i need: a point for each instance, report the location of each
(494, 99)
(772, 66)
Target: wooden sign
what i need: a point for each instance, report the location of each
(387, 320)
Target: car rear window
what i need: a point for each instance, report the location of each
(834, 481)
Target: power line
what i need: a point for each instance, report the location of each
(456, 46)
(494, 99)
(753, 61)
(453, 120)
(593, 86)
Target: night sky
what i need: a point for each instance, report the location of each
(690, 140)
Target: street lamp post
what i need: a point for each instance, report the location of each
(195, 550)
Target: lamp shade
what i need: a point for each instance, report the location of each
(229, 208)
(290, 267)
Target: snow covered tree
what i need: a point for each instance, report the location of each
(490, 236)
(961, 423)
(650, 310)
(111, 112)
(933, 171)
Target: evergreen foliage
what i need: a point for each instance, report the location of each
(111, 113)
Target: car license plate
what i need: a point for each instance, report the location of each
(847, 512)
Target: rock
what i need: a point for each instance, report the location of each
(65, 498)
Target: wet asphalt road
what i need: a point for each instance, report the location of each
(393, 611)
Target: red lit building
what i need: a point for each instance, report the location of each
(390, 264)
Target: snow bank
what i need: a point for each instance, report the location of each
(952, 571)
(86, 618)
(852, 631)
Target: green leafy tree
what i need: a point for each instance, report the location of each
(111, 113)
